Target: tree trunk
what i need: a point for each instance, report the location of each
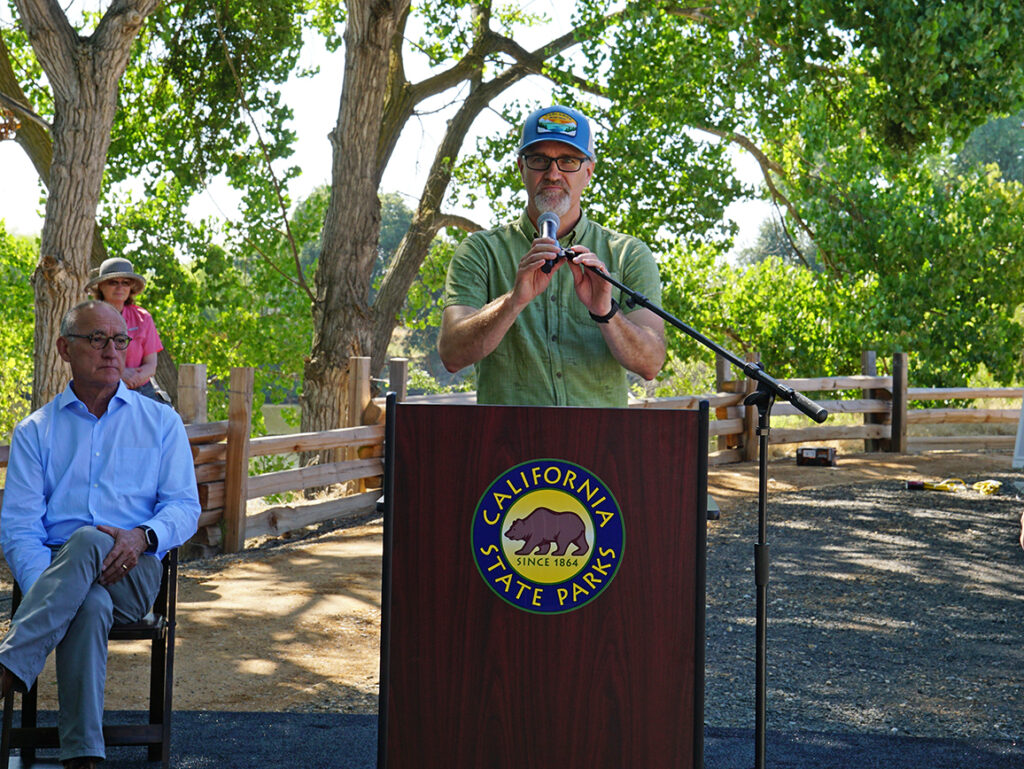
(81, 136)
(376, 103)
(84, 73)
(341, 311)
(35, 141)
(426, 221)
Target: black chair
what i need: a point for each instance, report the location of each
(158, 627)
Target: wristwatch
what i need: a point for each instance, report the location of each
(609, 316)
(151, 539)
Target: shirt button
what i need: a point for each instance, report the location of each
(554, 337)
(558, 374)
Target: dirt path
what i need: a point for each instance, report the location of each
(296, 625)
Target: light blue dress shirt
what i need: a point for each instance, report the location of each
(67, 469)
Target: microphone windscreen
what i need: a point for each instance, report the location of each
(548, 224)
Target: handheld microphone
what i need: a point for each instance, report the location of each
(548, 223)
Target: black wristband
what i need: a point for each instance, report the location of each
(609, 316)
(151, 539)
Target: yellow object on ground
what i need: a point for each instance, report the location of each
(955, 484)
(987, 487)
(950, 484)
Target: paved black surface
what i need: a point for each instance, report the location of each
(211, 740)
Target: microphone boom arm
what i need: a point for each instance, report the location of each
(752, 370)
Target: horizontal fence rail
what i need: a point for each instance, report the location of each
(350, 459)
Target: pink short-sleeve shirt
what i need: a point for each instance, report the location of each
(142, 330)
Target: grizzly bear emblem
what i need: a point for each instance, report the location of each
(543, 526)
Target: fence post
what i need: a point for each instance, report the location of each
(898, 443)
(722, 375)
(192, 393)
(750, 414)
(358, 399)
(398, 377)
(236, 470)
(869, 367)
(358, 389)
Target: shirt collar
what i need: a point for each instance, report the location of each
(67, 398)
(575, 236)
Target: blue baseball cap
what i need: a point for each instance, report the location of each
(559, 124)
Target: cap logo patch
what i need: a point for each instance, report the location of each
(558, 123)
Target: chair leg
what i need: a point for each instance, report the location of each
(168, 692)
(5, 740)
(29, 706)
(29, 719)
(157, 682)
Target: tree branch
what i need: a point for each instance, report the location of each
(278, 194)
(58, 45)
(123, 19)
(768, 167)
(700, 14)
(53, 38)
(489, 43)
(13, 105)
(464, 223)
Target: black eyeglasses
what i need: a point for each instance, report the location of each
(98, 340)
(566, 163)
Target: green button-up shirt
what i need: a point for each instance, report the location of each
(554, 354)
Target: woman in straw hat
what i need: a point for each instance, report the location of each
(117, 283)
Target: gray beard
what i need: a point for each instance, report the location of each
(555, 202)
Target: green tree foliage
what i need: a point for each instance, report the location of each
(908, 73)
(17, 259)
(201, 74)
(847, 105)
(238, 305)
(801, 322)
(947, 255)
(776, 239)
(999, 141)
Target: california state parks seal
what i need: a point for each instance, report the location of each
(548, 536)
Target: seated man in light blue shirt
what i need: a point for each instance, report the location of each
(100, 485)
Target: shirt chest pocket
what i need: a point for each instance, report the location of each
(137, 470)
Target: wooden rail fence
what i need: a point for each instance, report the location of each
(222, 450)
(886, 406)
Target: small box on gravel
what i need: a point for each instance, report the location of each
(815, 456)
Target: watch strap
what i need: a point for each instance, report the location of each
(151, 539)
(609, 316)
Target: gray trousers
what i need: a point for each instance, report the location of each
(68, 610)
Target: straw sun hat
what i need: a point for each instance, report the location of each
(116, 267)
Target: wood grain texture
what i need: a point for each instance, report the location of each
(473, 681)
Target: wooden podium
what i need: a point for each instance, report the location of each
(488, 662)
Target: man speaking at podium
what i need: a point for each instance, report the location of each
(540, 328)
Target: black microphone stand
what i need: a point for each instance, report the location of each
(768, 389)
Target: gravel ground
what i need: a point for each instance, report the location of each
(889, 611)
